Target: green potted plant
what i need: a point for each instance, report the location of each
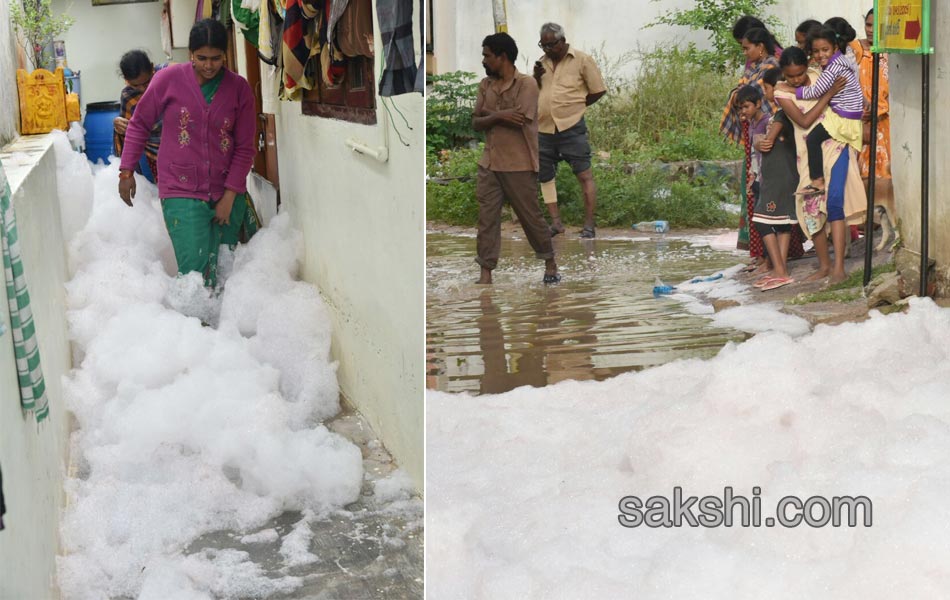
(35, 22)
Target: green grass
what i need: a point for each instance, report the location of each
(669, 111)
(840, 296)
(623, 197)
(848, 290)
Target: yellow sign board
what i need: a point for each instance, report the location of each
(902, 26)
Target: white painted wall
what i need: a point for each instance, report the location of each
(33, 455)
(906, 75)
(363, 228)
(460, 28)
(363, 225)
(102, 34)
(618, 24)
(9, 105)
(792, 13)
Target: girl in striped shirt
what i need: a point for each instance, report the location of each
(842, 119)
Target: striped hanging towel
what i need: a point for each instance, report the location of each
(25, 349)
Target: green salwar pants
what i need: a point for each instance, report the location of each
(196, 237)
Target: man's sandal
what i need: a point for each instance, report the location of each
(552, 278)
(588, 232)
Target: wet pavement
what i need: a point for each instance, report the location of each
(601, 320)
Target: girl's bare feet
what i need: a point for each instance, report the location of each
(837, 278)
(817, 275)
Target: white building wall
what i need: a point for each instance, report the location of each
(617, 24)
(906, 76)
(9, 105)
(363, 229)
(33, 455)
(101, 35)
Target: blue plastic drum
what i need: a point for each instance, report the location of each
(98, 125)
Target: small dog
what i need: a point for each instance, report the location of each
(886, 229)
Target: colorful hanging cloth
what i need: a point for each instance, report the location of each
(395, 30)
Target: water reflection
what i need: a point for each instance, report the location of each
(600, 321)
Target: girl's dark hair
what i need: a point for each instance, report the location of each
(772, 76)
(208, 32)
(744, 24)
(870, 12)
(793, 56)
(135, 62)
(758, 35)
(502, 43)
(808, 28)
(842, 33)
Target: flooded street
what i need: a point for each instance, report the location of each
(601, 320)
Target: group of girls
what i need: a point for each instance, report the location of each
(802, 115)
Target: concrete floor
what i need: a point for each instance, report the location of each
(368, 550)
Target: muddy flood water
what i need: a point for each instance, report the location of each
(600, 321)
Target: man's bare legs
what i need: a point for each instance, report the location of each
(589, 188)
(549, 194)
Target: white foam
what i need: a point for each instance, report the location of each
(523, 487)
(185, 430)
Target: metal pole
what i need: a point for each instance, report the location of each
(872, 170)
(500, 12)
(925, 176)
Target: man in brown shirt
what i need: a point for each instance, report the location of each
(506, 110)
(569, 81)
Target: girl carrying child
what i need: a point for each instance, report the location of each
(845, 180)
(842, 121)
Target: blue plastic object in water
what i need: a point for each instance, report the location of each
(661, 289)
(706, 279)
(98, 125)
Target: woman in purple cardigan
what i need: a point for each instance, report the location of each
(207, 148)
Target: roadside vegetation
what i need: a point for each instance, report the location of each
(669, 112)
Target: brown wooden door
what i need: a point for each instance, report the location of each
(265, 162)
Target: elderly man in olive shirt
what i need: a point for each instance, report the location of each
(569, 81)
(506, 110)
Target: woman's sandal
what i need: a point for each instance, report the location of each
(810, 190)
(777, 283)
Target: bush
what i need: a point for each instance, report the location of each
(449, 107)
(623, 197)
(647, 193)
(450, 196)
(669, 112)
(716, 17)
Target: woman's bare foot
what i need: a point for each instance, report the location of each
(837, 278)
(485, 279)
(763, 268)
(817, 275)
